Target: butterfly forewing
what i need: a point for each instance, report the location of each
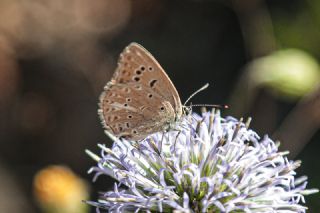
(137, 65)
(140, 99)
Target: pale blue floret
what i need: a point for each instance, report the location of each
(213, 164)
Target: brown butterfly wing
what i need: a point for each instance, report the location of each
(133, 111)
(140, 99)
(137, 65)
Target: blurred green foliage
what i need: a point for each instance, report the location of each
(289, 73)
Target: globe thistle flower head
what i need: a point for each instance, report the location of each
(211, 164)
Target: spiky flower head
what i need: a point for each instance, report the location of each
(211, 164)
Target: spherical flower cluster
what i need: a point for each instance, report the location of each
(207, 164)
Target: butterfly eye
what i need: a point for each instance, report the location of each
(134, 132)
(161, 108)
(150, 95)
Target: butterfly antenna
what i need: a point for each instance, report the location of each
(210, 105)
(196, 92)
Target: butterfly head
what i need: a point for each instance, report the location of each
(186, 110)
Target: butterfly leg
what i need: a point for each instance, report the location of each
(175, 141)
(160, 144)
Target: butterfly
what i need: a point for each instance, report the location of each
(140, 99)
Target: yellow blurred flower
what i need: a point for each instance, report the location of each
(58, 190)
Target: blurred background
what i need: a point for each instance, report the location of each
(260, 57)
